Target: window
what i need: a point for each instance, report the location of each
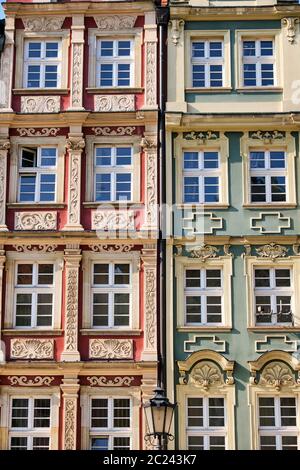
(111, 295)
(203, 296)
(278, 423)
(268, 176)
(37, 174)
(201, 175)
(110, 427)
(30, 424)
(206, 423)
(113, 174)
(258, 62)
(34, 295)
(273, 295)
(42, 61)
(207, 63)
(114, 63)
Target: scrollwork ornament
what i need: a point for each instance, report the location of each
(25, 381)
(272, 251)
(128, 130)
(204, 252)
(277, 375)
(110, 248)
(103, 381)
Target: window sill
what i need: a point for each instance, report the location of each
(204, 206)
(259, 89)
(121, 205)
(41, 91)
(258, 329)
(37, 205)
(277, 205)
(209, 90)
(31, 332)
(106, 91)
(191, 329)
(111, 332)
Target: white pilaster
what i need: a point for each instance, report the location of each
(149, 259)
(70, 388)
(76, 100)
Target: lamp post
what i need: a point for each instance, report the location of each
(159, 414)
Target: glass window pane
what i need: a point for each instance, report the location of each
(248, 48)
(266, 411)
(257, 160)
(106, 48)
(101, 274)
(262, 278)
(195, 443)
(267, 442)
(195, 412)
(41, 417)
(198, 49)
(277, 159)
(48, 156)
(20, 412)
(33, 76)
(45, 274)
(191, 160)
(99, 443)
(51, 50)
(122, 274)
(103, 187)
(124, 48)
(41, 443)
(27, 188)
(216, 412)
(99, 415)
(18, 443)
(34, 50)
(103, 156)
(216, 442)
(121, 416)
(123, 156)
(47, 187)
(100, 310)
(211, 160)
(215, 49)
(120, 443)
(193, 278)
(28, 158)
(24, 274)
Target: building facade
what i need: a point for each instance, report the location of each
(78, 224)
(233, 259)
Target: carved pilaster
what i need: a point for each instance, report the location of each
(72, 260)
(6, 66)
(147, 388)
(150, 58)
(75, 146)
(149, 145)
(77, 63)
(70, 390)
(4, 147)
(2, 262)
(150, 313)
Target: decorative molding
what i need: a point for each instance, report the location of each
(43, 23)
(112, 220)
(40, 104)
(105, 382)
(24, 381)
(202, 136)
(179, 249)
(35, 220)
(4, 144)
(149, 147)
(150, 73)
(204, 252)
(128, 130)
(21, 348)
(75, 144)
(34, 249)
(270, 359)
(77, 75)
(296, 249)
(115, 22)
(217, 345)
(110, 248)
(272, 251)
(6, 76)
(198, 228)
(149, 144)
(291, 27)
(111, 349)
(108, 103)
(33, 132)
(247, 251)
(256, 223)
(4, 147)
(177, 27)
(71, 315)
(70, 413)
(150, 309)
(261, 345)
(267, 136)
(205, 375)
(277, 375)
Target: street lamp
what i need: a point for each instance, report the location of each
(159, 414)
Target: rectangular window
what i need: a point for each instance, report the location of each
(113, 174)
(208, 63)
(30, 424)
(203, 296)
(268, 176)
(34, 295)
(110, 427)
(42, 62)
(201, 177)
(114, 63)
(37, 174)
(273, 296)
(278, 423)
(206, 423)
(111, 295)
(258, 62)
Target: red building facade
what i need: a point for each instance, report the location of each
(78, 224)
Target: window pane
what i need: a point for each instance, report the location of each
(27, 188)
(123, 186)
(47, 187)
(121, 309)
(216, 75)
(45, 274)
(19, 417)
(283, 277)
(211, 160)
(124, 48)
(123, 156)
(249, 48)
(120, 443)
(191, 160)
(106, 75)
(262, 278)
(34, 50)
(277, 159)
(99, 413)
(123, 74)
(213, 278)
(24, 274)
(121, 413)
(195, 443)
(48, 156)
(193, 278)
(23, 309)
(101, 274)
(41, 443)
(215, 49)
(103, 156)
(266, 48)
(211, 189)
(122, 274)
(199, 76)
(100, 310)
(51, 50)
(193, 309)
(289, 443)
(191, 189)
(106, 48)
(33, 76)
(263, 304)
(258, 189)
(257, 160)
(266, 411)
(216, 442)
(103, 187)
(44, 309)
(216, 412)
(51, 76)
(249, 74)
(288, 411)
(18, 443)
(195, 412)
(99, 443)
(29, 158)
(267, 442)
(278, 188)
(198, 49)
(41, 418)
(214, 309)
(267, 74)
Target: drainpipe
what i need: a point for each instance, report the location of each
(162, 19)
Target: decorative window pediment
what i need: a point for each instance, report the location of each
(275, 370)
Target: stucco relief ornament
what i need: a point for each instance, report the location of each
(43, 23)
(32, 348)
(291, 25)
(107, 103)
(105, 382)
(204, 252)
(201, 137)
(148, 143)
(40, 104)
(35, 220)
(69, 417)
(128, 130)
(176, 30)
(24, 381)
(110, 248)
(267, 136)
(74, 144)
(32, 132)
(35, 249)
(277, 375)
(205, 375)
(111, 348)
(272, 251)
(4, 145)
(179, 249)
(115, 22)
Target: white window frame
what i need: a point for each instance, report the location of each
(115, 60)
(207, 61)
(204, 292)
(112, 289)
(258, 60)
(30, 431)
(42, 62)
(113, 170)
(37, 171)
(273, 292)
(268, 173)
(110, 431)
(206, 431)
(13, 258)
(277, 430)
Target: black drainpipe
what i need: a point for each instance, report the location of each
(162, 18)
